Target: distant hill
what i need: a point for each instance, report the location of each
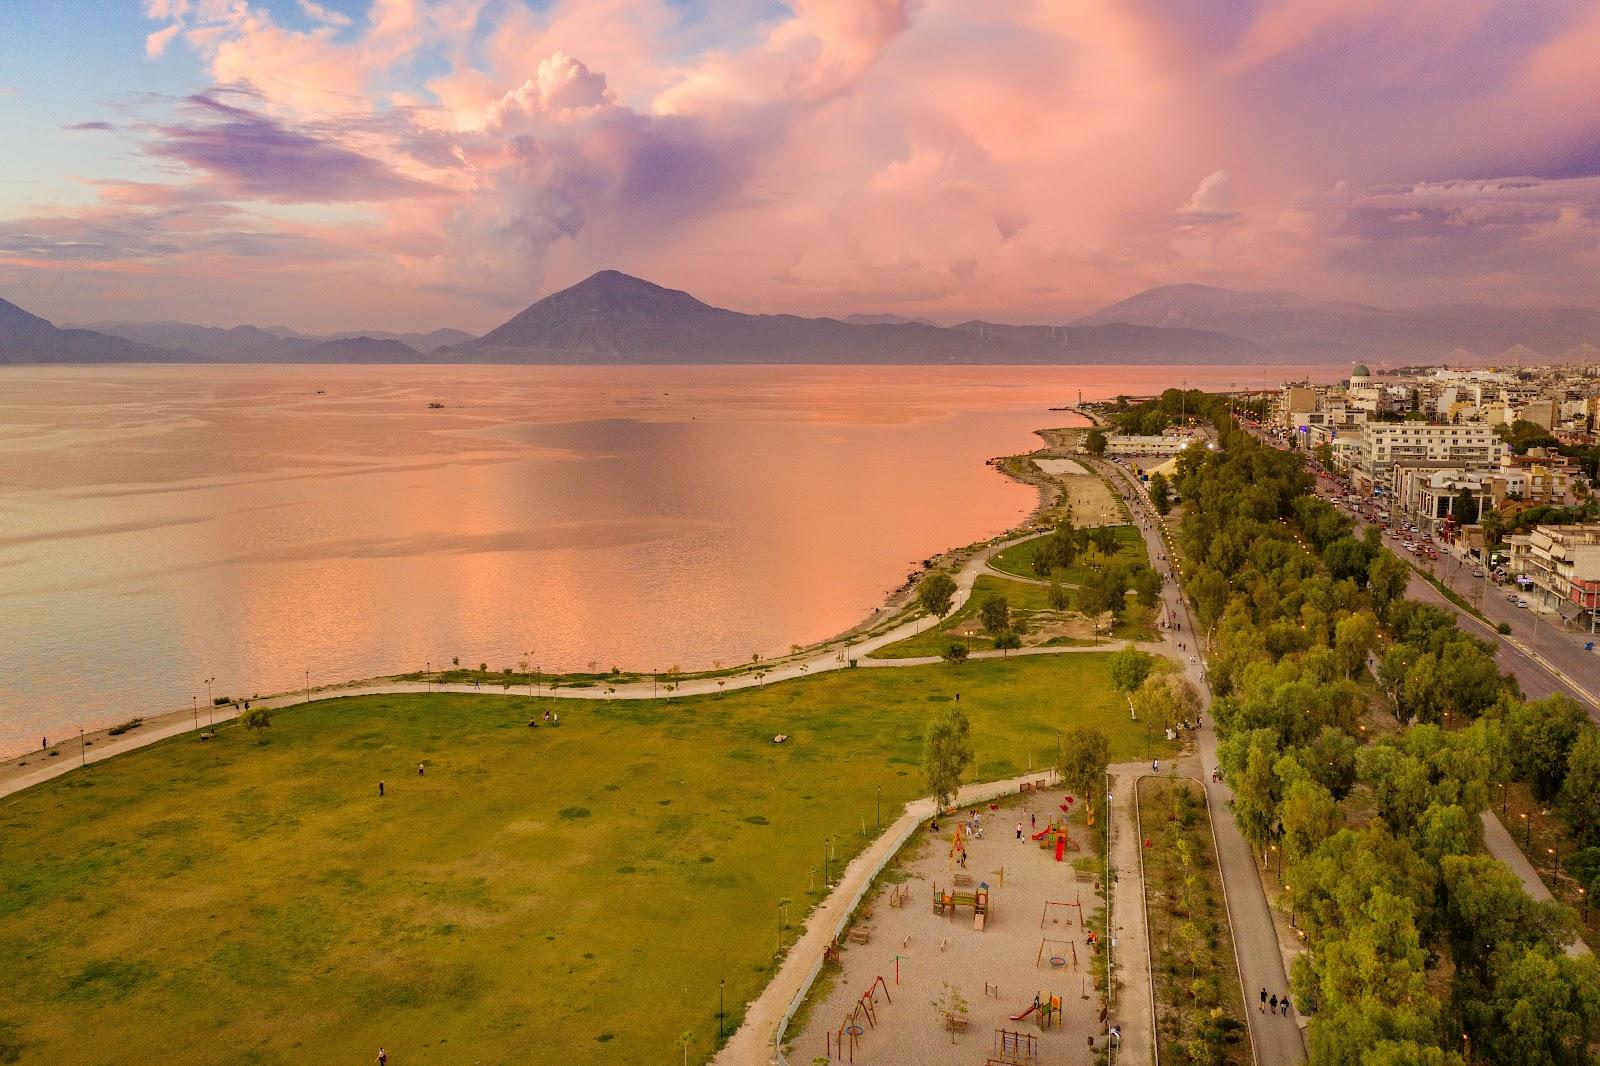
(26, 338)
(251, 344)
(884, 320)
(1295, 326)
(611, 317)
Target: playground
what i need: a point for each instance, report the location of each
(545, 894)
(975, 950)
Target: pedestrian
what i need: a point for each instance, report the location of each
(1019, 832)
(1033, 820)
(420, 769)
(383, 1057)
(380, 789)
(1155, 766)
(1273, 1003)
(44, 742)
(1284, 1003)
(1263, 1007)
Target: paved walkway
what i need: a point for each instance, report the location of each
(1255, 939)
(1498, 840)
(1130, 944)
(753, 1042)
(836, 657)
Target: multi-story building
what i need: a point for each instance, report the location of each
(1473, 446)
(1164, 444)
(1561, 565)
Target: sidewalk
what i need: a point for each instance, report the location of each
(1130, 935)
(1498, 840)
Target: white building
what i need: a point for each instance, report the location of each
(1473, 446)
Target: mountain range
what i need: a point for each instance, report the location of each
(611, 318)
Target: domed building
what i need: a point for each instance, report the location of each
(1360, 375)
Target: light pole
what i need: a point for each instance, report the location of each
(721, 983)
(877, 819)
(194, 702)
(83, 749)
(529, 654)
(427, 675)
(308, 686)
(208, 689)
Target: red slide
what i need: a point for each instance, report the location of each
(1024, 1014)
(1040, 834)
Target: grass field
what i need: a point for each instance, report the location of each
(1018, 559)
(549, 895)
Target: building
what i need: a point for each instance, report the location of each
(1470, 447)
(1561, 566)
(1164, 444)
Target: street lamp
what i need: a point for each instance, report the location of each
(721, 983)
(427, 675)
(83, 749)
(194, 702)
(208, 689)
(308, 686)
(877, 819)
(1527, 831)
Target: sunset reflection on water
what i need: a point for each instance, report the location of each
(160, 525)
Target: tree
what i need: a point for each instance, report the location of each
(1539, 735)
(1147, 586)
(956, 653)
(1354, 636)
(935, 593)
(1007, 641)
(1094, 442)
(1346, 557)
(1386, 581)
(994, 613)
(1129, 668)
(1464, 508)
(1057, 595)
(946, 755)
(1085, 753)
(1160, 493)
(1543, 1007)
(1168, 700)
(1309, 816)
(1580, 794)
(257, 719)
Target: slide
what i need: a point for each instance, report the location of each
(1024, 1014)
(1040, 834)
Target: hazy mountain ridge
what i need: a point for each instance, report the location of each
(1295, 325)
(611, 318)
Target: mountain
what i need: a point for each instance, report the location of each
(421, 342)
(613, 318)
(1295, 326)
(251, 344)
(884, 320)
(26, 338)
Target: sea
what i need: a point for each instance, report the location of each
(173, 533)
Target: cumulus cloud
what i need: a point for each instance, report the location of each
(926, 156)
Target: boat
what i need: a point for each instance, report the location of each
(436, 405)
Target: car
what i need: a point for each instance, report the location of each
(1521, 602)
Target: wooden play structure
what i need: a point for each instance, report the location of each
(946, 901)
(1013, 1049)
(1053, 917)
(958, 845)
(1055, 835)
(898, 894)
(1045, 1009)
(1060, 953)
(851, 1030)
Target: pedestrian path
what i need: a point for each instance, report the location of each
(1498, 840)
(1255, 938)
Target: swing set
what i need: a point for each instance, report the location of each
(850, 1029)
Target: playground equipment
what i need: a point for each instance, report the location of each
(898, 894)
(958, 845)
(1046, 916)
(1045, 1009)
(946, 901)
(1061, 953)
(1013, 1049)
(1055, 835)
(850, 1029)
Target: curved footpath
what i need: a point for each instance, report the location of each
(107, 746)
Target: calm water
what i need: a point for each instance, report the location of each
(162, 525)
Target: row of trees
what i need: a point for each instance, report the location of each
(1418, 945)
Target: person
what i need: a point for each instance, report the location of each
(1284, 1003)
(380, 788)
(1033, 820)
(933, 824)
(1273, 1003)
(421, 769)
(1155, 766)
(1263, 1008)
(44, 742)
(383, 1057)
(1019, 831)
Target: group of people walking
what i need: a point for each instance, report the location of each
(1274, 1004)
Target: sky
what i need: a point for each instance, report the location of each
(410, 164)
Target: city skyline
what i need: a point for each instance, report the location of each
(406, 165)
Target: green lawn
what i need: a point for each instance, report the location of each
(1019, 595)
(1018, 559)
(549, 895)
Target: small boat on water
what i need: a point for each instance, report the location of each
(436, 405)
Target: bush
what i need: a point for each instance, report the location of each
(221, 701)
(132, 723)
(956, 653)
(1504, 629)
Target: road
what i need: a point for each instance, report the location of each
(1255, 939)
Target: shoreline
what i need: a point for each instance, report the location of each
(897, 611)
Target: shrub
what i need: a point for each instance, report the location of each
(1504, 629)
(132, 723)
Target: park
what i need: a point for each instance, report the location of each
(522, 891)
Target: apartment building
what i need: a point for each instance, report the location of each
(1561, 564)
(1473, 446)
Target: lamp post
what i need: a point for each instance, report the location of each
(83, 749)
(1527, 831)
(427, 675)
(208, 689)
(194, 702)
(308, 686)
(877, 819)
(721, 984)
(529, 655)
